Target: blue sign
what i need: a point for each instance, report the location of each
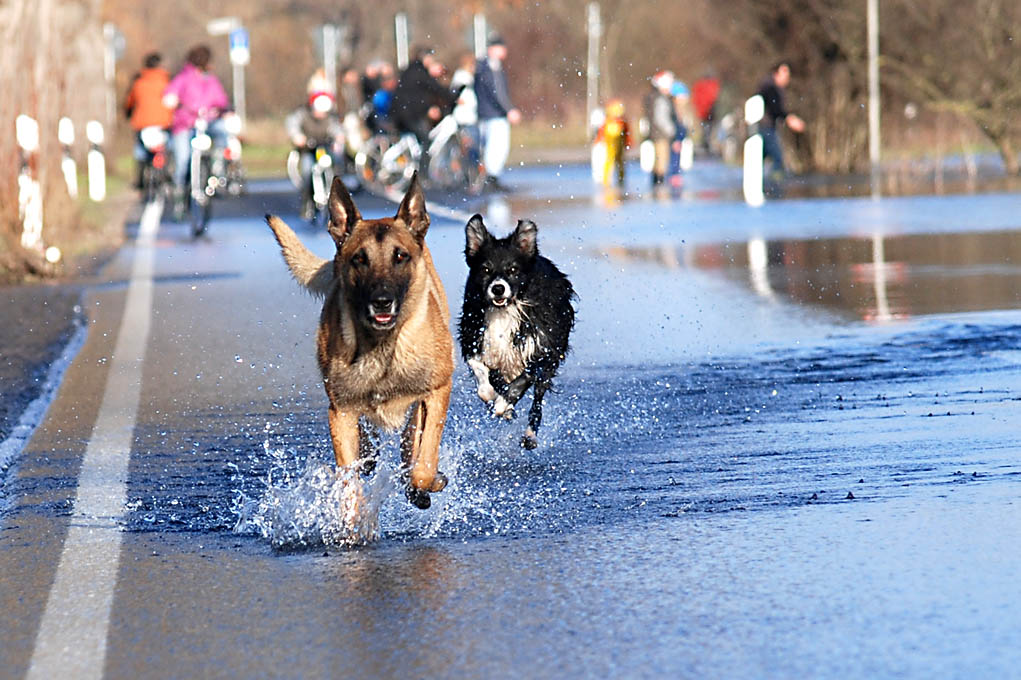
(239, 39)
(239, 53)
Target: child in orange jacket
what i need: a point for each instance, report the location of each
(616, 135)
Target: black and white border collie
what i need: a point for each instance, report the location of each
(516, 319)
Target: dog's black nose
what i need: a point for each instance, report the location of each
(382, 303)
(498, 290)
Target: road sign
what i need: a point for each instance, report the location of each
(239, 53)
(223, 25)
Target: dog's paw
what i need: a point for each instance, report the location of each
(486, 393)
(419, 498)
(503, 408)
(439, 482)
(529, 441)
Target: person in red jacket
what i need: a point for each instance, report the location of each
(144, 105)
(704, 94)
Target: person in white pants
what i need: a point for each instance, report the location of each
(496, 112)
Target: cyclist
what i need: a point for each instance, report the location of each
(193, 92)
(313, 125)
(144, 106)
(420, 101)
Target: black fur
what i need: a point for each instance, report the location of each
(536, 293)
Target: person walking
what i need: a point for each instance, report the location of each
(681, 102)
(772, 92)
(466, 109)
(662, 122)
(144, 106)
(496, 112)
(704, 94)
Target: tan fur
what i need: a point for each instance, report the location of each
(405, 369)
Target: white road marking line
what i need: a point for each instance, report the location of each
(72, 634)
(450, 213)
(11, 447)
(433, 208)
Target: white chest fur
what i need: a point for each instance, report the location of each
(499, 350)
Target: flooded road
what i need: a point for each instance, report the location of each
(787, 443)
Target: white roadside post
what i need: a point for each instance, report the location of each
(96, 161)
(65, 133)
(754, 110)
(687, 153)
(30, 197)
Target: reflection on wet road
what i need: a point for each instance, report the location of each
(737, 477)
(869, 417)
(875, 279)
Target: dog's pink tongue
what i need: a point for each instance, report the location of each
(383, 319)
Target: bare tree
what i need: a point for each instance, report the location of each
(52, 55)
(963, 58)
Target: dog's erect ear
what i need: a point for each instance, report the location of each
(475, 235)
(343, 213)
(412, 210)
(525, 237)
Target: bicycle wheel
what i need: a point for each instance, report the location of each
(446, 168)
(473, 171)
(398, 165)
(201, 202)
(149, 179)
(368, 159)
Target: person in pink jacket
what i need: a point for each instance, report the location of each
(194, 92)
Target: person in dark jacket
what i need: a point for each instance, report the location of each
(496, 112)
(772, 92)
(420, 100)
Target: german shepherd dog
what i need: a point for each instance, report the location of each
(384, 345)
(516, 319)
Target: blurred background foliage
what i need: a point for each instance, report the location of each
(956, 64)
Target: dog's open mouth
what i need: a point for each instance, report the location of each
(500, 302)
(383, 320)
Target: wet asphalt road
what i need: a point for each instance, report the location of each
(786, 444)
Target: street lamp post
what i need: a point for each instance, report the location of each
(239, 56)
(401, 36)
(595, 31)
(873, 45)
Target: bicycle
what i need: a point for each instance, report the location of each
(156, 180)
(315, 187)
(203, 182)
(233, 177)
(454, 161)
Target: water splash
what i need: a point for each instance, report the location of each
(321, 507)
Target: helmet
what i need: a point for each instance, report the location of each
(662, 79)
(679, 89)
(321, 102)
